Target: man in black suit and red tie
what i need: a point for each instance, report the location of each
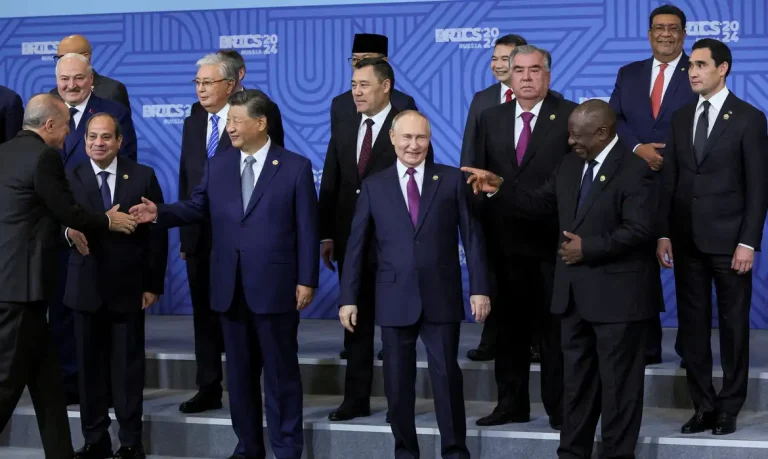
(713, 213)
(605, 201)
(204, 136)
(524, 141)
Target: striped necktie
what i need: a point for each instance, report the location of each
(213, 142)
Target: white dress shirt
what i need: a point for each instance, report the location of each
(221, 124)
(111, 181)
(519, 120)
(378, 121)
(503, 97)
(668, 73)
(80, 110)
(600, 159)
(261, 158)
(402, 173)
(715, 105)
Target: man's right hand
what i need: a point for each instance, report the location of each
(326, 251)
(482, 181)
(348, 317)
(664, 253)
(78, 238)
(121, 222)
(145, 212)
(648, 151)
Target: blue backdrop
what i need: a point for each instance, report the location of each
(297, 50)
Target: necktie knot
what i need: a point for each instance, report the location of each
(410, 171)
(508, 95)
(706, 104)
(369, 122)
(249, 160)
(663, 67)
(215, 120)
(527, 117)
(591, 164)
(104, 175)
(73, 111)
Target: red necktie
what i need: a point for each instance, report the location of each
(365, 150)
(508, 95)
(658, 88)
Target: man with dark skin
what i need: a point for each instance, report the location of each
(605, 199)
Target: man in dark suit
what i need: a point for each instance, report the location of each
(605, 199)
(358, 148)
(262, 206)
(11, 114)
(643, 121)
(34, 200)
(524, 141)
(274, 117)
(713, 212)
(103, 86)
(204, 136)
(74, 80)
(412, 213)
(366, 46)
(112, 279)
(493, 95)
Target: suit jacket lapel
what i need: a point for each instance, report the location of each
(349, 150)
(74, 138)
(603, 177)
(268, 171)
(544, 123)
(644, 79)
(398, 198)
(678, 77)
(492, 96)
(224, 142)
(428, 189)
(381, 141)
(720, 124)
(121, 183)
(91, 185)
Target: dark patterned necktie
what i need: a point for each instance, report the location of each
(586, 183)
(365, 150)
(701, 134)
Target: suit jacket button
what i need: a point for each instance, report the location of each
(357, 191)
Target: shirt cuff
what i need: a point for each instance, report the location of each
(633, 150)
(749, 247)
(490, 195)
(662, 239)
(66, 236)
(326, 240)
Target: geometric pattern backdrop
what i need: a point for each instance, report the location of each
(440, 52)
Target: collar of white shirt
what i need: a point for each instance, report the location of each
(673, 63)
(81, 106)
(402, 169)
(600, 159)
(222, 114)
(378, 119)
(535, 110)
(112, 168)
(260, 156)
(717, 100)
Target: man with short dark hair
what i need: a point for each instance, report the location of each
(713, 213)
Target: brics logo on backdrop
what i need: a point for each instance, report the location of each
(169, 113)
(726, 31)
(46, 49)
(255, 44)
(468, 37)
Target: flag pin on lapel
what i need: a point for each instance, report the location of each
(434, 177)
(682, 69)
(274, 163)
(552, 116)
(602, 178)
(125, 177)
(727, 115)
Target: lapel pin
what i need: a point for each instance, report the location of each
(274, 163)
(682, 69)
(434, 177)
(726, 116)
(552, 116)
(602, 178)
(125, 177)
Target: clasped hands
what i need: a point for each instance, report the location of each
(119, 222)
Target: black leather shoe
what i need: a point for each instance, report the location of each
(94, 451)
(700, 422)
(202, 401)
(130, 452)
(652, 360)
(343, 354)
(380, 355)
(481, 354)
(499, 417)
(535, 354)
(345, 412)
(724, 425)
(556, 424)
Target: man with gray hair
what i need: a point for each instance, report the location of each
(35, 200)
(523, 141)
(74, 82)
(204, 136)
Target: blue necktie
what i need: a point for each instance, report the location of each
(106, 195)
(586, 183)
(72, 112)
(213, 141)
(247, 182)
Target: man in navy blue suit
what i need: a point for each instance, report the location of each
(75, 81)
(11, 113)
(412, 212)
(262, 205)
(643, 122)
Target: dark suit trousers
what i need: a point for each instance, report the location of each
(269, 341)
(524, 296)
(442, 343)
(604, 374)
(62, 325)
(358, 376)
(208, 340)
(694, 273)
(110, 347)
(27, 358)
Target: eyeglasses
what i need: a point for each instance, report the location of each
(206, 84)
(674, 28)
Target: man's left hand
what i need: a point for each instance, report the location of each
(570, 250)
(304, 296)
(481, 307)
(743, 258)
(148, 299)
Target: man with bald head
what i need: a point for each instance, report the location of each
(103, 86)
(35, 200)
(605, 200)
(412, 212)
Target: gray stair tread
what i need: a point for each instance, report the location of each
(34, 453)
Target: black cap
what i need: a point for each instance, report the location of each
(370, 43)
